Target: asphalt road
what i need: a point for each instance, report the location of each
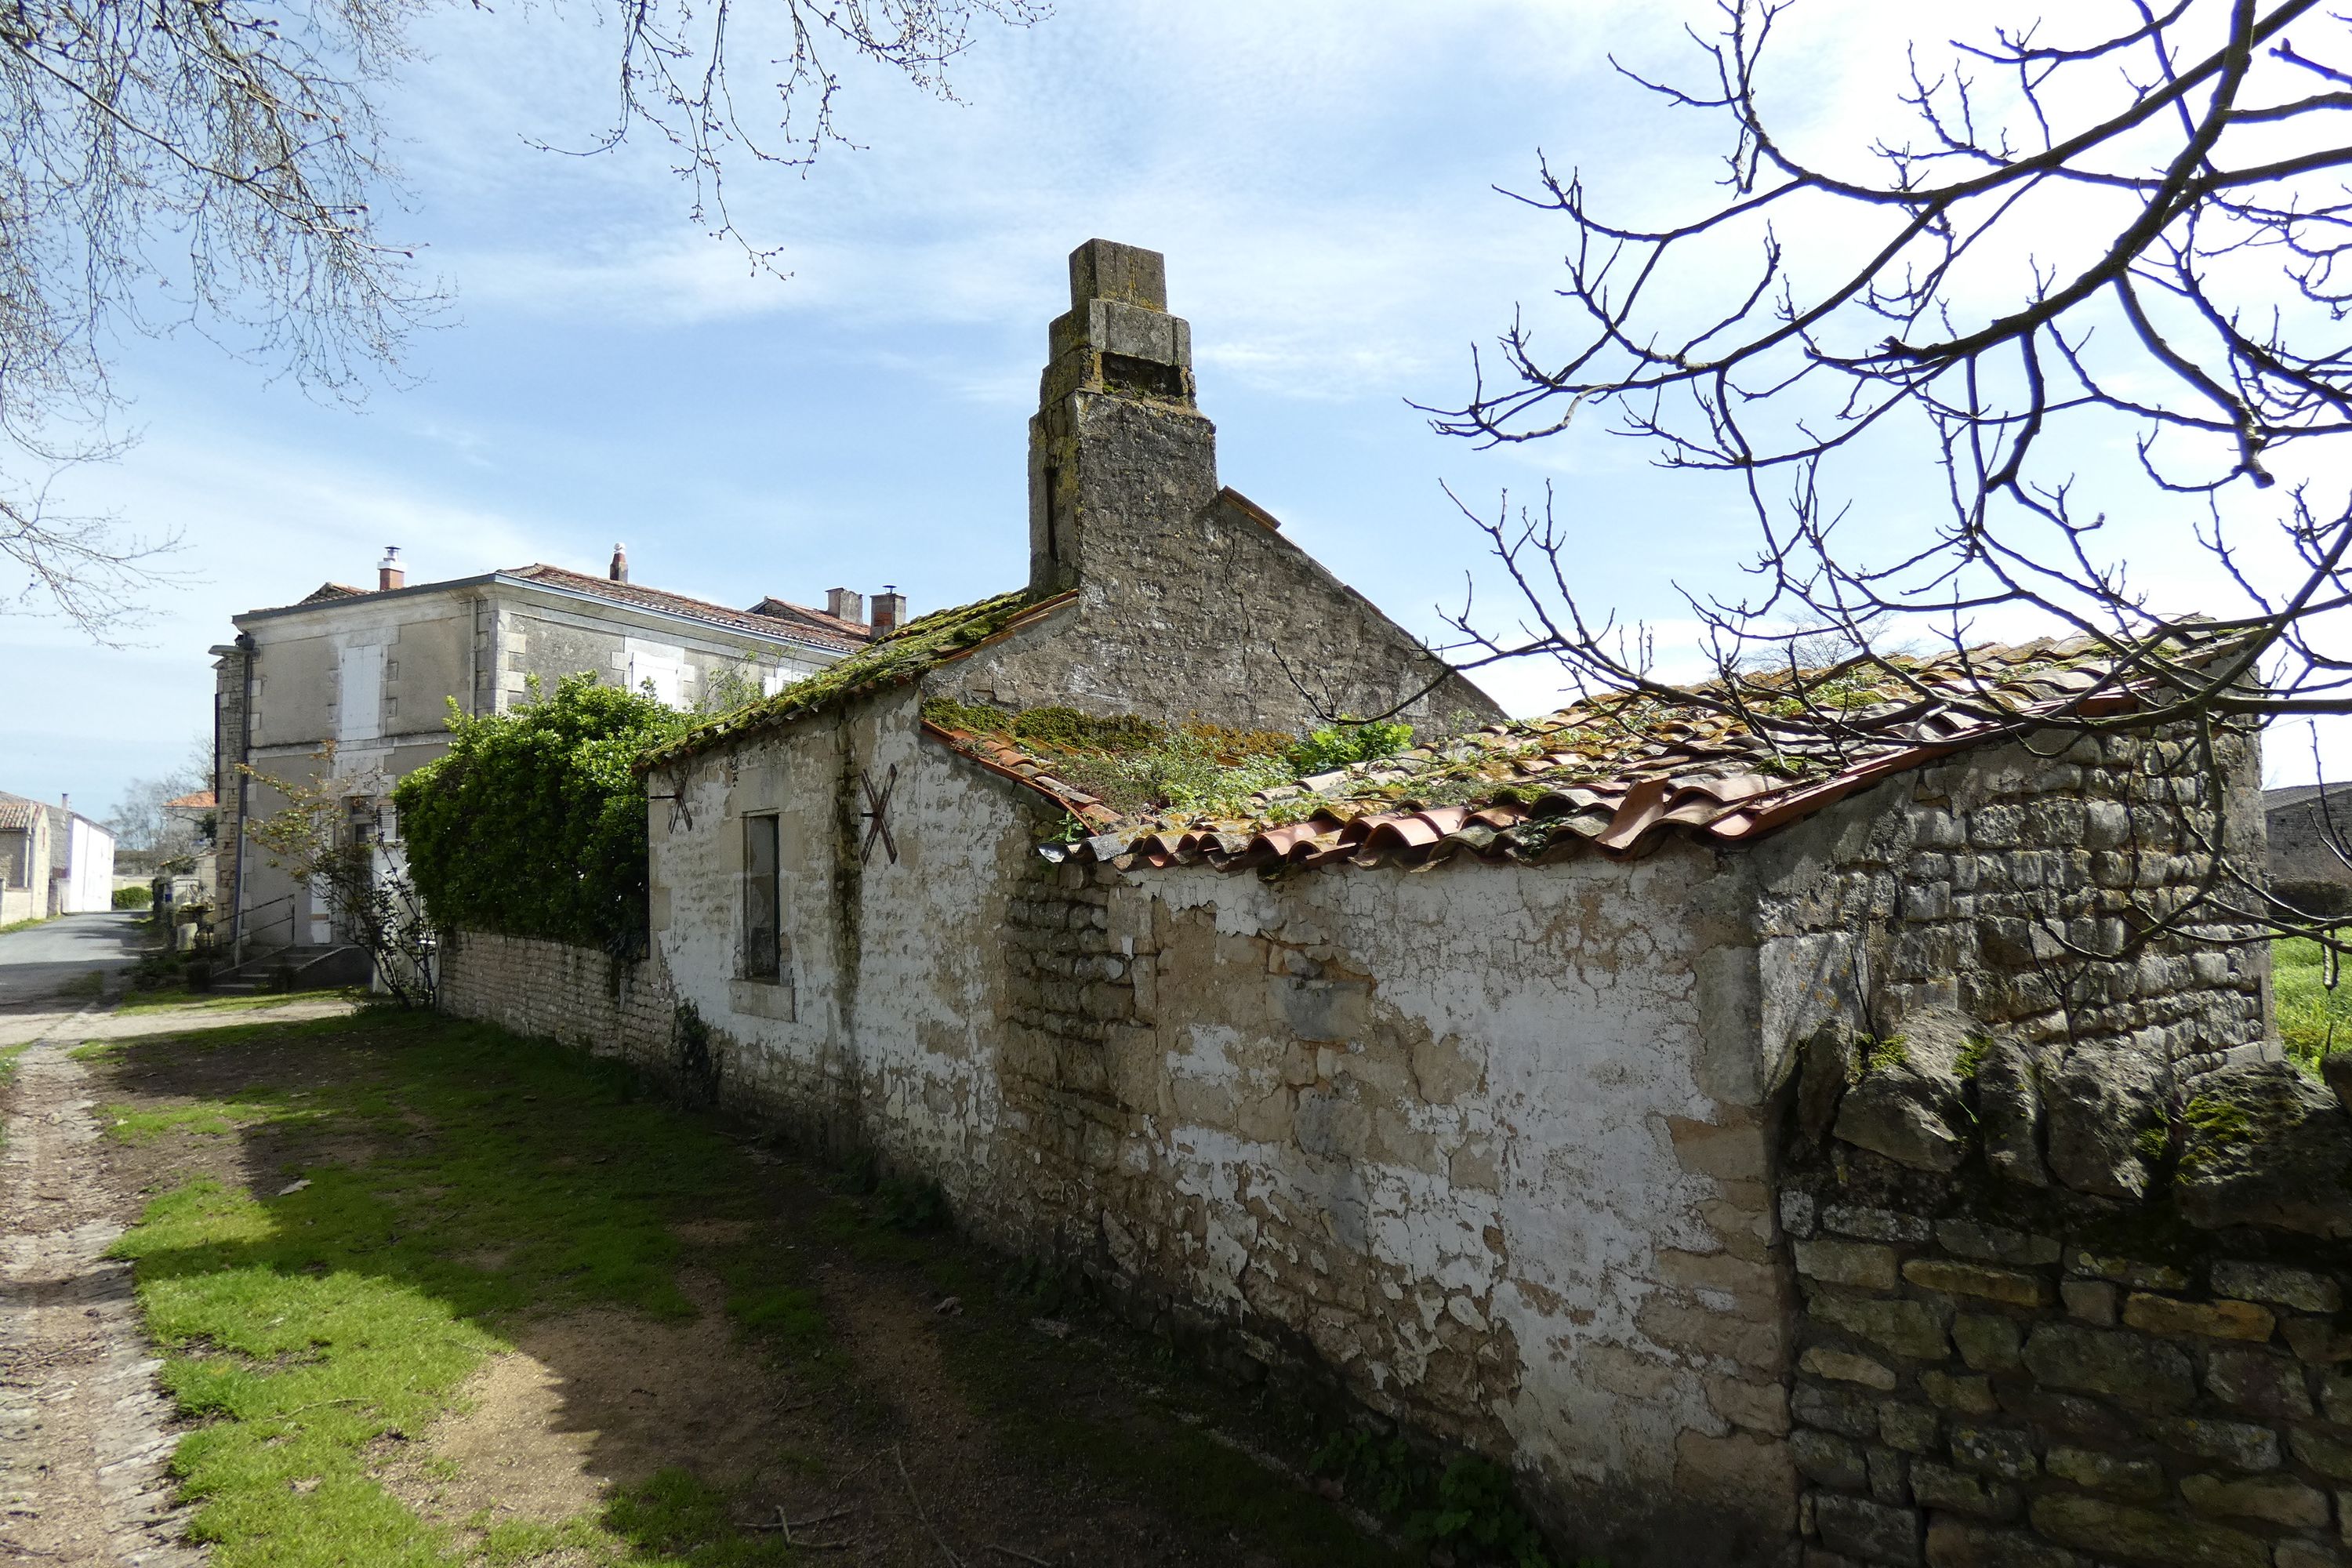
(33, 963)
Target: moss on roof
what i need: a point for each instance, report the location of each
(906, 655)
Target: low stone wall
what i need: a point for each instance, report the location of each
(2066, 1390)
(555, 990)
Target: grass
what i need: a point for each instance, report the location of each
(302, 1327)
(307, 1327)
(26, 925)
(2312, 1019)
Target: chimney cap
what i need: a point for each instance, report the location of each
(391, 555)
(1106, 269)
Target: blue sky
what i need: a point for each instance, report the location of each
(1318, 175)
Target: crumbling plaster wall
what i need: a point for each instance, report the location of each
(1486, 1143)
(1487, 1139)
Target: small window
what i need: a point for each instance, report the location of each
(762, 900)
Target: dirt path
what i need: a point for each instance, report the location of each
(83, 1429)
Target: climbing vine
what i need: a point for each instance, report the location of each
(533, 824)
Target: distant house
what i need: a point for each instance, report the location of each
(2308, 824)
(373, 674)
(53, 861)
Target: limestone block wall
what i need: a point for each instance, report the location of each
(2079, 1391)
(554, 991)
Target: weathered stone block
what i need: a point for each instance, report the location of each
(2275, 1283)
(1829, 1460)
(1890, 1475)
(2266, 1146)
(2137, 1272)
(2261, 1380)
(2137, 1535)
(1875, 1223)
(1799, 1213)
(2097, 1105)
(1913, 1329)
(1845, 1366)
(1758, 1406)
(1914, 1428)
(2140, 1478)
(2136, 1373)
(1988, 1344)
(2237, 1444)
(2214, 1320)
(2304, 1554)
(1834, 1409)
(2281, 1499)
(1909, 1111)
(2089, 1301)
(1952, 1543)
(2004, 1284)
(1993, 1452)
(1868, 1264)
(1874, 1531)
(1992, 1244)
(2318, 1341)
(2008, 1117)
(1969, 1396)
(2328, 1456)
(1938, 1486)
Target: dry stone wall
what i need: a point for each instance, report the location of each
(554, 991)
(2079, 1392)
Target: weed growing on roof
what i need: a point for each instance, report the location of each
(1134, 764)
(906, 655)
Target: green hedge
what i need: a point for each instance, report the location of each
(533, 824)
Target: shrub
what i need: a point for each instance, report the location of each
(533, 824)
(134, 898)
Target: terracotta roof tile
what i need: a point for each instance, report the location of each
(1614, 775)
(327, 591)
(16, 816)
(201, 800)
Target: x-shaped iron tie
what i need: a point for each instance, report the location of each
(878, 814)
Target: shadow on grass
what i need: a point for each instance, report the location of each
(486, 1182)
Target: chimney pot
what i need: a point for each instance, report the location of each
(619, 570)
(889, 610)
(389, 574)
(842, 604)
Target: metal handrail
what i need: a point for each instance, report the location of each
(244, 929)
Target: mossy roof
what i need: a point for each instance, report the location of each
(1619, 774)
(906, 655)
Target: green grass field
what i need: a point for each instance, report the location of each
(335, 1302)
(2312, 1019)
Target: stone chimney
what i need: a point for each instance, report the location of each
(1117, 451)
(619, 570)
(388, 572)
(844, 606)
(889, 610)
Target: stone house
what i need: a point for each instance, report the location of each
(372, 673)
(2308, 824)
(1737, 1135)
(53, 861)
(23, 859)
